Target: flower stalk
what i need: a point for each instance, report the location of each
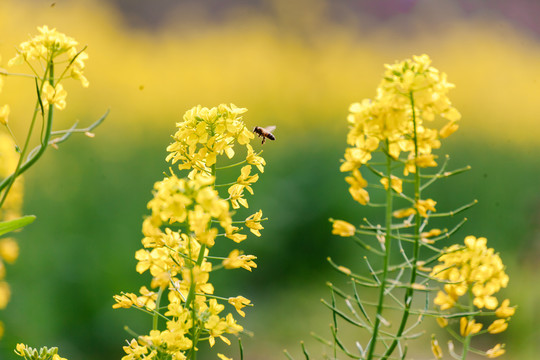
(45, 54)
(188, 216)
(396, 131)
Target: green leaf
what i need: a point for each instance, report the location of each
(8, 226)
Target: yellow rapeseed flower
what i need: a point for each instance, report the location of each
(51, 45)
(239, 302)
(423, 206)
(504, 310)
(357, 189)
(496, 351)
(396, 184)
(19, 349)
(403, 213)
(4, 114)
(343, 228)
(134, 350)
(237, 260)
(54, 96)
(253, 222)
(9, 250)
(468, 327)
(498, 326)
(443, 322)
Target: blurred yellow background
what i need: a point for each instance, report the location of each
(294, 64)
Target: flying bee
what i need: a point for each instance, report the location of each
(265, 133)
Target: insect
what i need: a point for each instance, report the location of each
(265, 133)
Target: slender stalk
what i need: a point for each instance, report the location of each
(191, 293)
(386, 261)
(8, 182)
(156, 313)
(416, 249)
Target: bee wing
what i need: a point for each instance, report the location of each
(270, 128)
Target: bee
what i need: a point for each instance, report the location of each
(265, 133)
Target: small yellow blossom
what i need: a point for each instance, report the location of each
(4, 114)
(425, 236)
(396, 184)
(468, 327)
(496, 351)
(431, 233)
(134, 350)
(236, 193)
(223, 357)
(444, 300)
(343, 228)
(9, 250)
(125, 301)
(448, 129)
(253, 222)
(443, 322)
(253, 159)
(423, 206)
(504, 311)
(235, 236)
(239, 302)
(245, 179)
(19, 349)
(237, 260)
(402, 213)
(54, 96)
(498, 326)
(357, 189)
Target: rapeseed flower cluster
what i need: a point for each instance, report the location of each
(477, 273)
(51, 46)
(410, 96)
(188, 216)
(206, 133)
(44, 52)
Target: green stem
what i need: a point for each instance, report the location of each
(191, 293)
(386, 261)
(156, 313)
(8, 182)
(416, 250)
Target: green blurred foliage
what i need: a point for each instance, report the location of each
(291, 66)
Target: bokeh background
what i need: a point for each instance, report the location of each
(295, 64)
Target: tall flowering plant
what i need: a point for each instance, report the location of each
(188, 216)
(390, 150)
(51, 58)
